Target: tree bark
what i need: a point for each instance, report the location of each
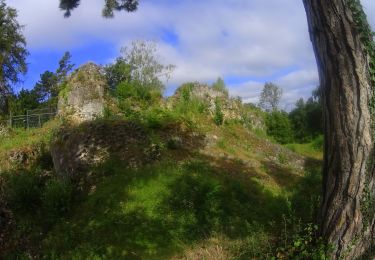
(346, 215)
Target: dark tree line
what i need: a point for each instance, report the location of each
(45, 92)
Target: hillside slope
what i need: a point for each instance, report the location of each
(191, 177)
(211, 190)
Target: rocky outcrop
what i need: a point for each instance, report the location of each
(232, 108)
(77, 149)
(4, 130)
(27, 155)
(83, 95)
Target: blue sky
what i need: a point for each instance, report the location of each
(247, 42)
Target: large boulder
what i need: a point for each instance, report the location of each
(83, 95)
(76, 149)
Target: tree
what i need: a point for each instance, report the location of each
(13, 51)
(279, 127)
(307, 118)
(48, 87)
(109, 6)
(65, 66)
(345, 53)
(118, 72)
(24, 100)
(45, 91)
(344, 50)
(270, 97)
(146, 69)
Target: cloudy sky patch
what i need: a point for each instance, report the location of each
(247, 42)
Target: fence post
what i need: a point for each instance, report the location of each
(10, 120)
(27, 119)
(40, 125)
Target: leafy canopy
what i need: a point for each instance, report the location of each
(13, 51)
(109, 6)
(270, 97)
(45, 91)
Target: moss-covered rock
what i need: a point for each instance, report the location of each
(75, 149)
(83, 95)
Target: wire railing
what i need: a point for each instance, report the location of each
(32, 119)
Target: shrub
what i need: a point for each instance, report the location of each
(318, 143)
(24, 190)
(155, 118)
(279, 127)
(186, 91)
(219, 85)
(218, 116)
(57, 197)
(305, 245)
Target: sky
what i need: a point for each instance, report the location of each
(246, 42)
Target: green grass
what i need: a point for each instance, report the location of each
(170, 206)
(314, 149)
(158, 211)
(25, 139)
(22, 137)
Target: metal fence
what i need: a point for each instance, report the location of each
(31, 119)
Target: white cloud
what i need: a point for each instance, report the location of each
(296, 84)
(230, 38)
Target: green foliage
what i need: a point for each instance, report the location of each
(218, 115)
(219, 85)
(270, 97)
(57, 197)
(154, 211)
(146, 69)
(24, 191)
(312, 149)
(318, 143)
(126, 90)
(157, 118)
(24, 100)
(65, 67)
(307, 119)
(279, 127)
(306, 202)
(305, 245)
(185, 91)
(187, 105)
(45, 92)
(117, 73)
(109, 7)
(13, 48)
(135, 79)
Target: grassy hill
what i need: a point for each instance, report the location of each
(211, 192)
(191, 177)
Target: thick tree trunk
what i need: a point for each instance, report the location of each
(347, 210)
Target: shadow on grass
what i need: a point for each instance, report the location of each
(159, 209)
(156, 211)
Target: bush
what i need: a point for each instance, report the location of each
(305, 245)
(155, 118)
(218, 116)
(24, 190)
(318, 143)
(279, 127)
(219, 85)
(57, 197)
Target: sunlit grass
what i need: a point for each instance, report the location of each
(313, 149)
